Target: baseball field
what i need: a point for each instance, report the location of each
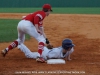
(82, 25)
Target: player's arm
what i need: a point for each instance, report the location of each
(36, 22)
(42, 30)
(68, 57)
(47, 41)
(38, 30)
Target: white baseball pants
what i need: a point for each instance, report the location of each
(26, 27)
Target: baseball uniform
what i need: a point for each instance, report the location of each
(32, 25)
(47, 53)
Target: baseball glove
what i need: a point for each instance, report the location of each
(49, 46)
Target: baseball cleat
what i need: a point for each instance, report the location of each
(4, 52)
(40, 59)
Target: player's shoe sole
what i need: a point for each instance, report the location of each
(4, 52)
(40, 59)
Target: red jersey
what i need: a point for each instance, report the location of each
(36, 17)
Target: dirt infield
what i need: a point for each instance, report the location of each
(82, 29)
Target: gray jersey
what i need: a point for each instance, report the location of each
(55, 52)
(47, 53)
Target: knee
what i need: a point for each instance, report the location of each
(19, 41)
(28, 55)
(41, 40)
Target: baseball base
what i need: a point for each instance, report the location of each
(56, 61)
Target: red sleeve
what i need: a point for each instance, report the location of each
(36, 20)
(41, 23)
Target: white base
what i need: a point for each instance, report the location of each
(56, 61)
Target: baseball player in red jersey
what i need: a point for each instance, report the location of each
(32, 24)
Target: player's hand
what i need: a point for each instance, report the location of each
(69, 59)
(40, 32)
(49, 46)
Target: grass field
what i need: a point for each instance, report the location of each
(8, 27)
(55, 10)
(8, 30)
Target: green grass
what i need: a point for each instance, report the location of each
(69, 10)
(8, 30)
(8, 27)
(77, 10)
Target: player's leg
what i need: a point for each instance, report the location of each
(45, 52)
(31, 30)
(40, 39)
(21, 38)
(27, 52)
(33, 55)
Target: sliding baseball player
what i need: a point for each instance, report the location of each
(60, 52)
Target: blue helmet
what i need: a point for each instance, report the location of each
(67, 43)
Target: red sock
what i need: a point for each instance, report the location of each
(13, 45)
(40, 48)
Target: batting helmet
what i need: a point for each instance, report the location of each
(67, 43)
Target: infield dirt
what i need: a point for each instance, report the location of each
(83, 29)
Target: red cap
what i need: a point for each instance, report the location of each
(47, 6)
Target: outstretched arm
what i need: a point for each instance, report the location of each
(68, 57)
(47, 41)
(69, 53)
(42, 30)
